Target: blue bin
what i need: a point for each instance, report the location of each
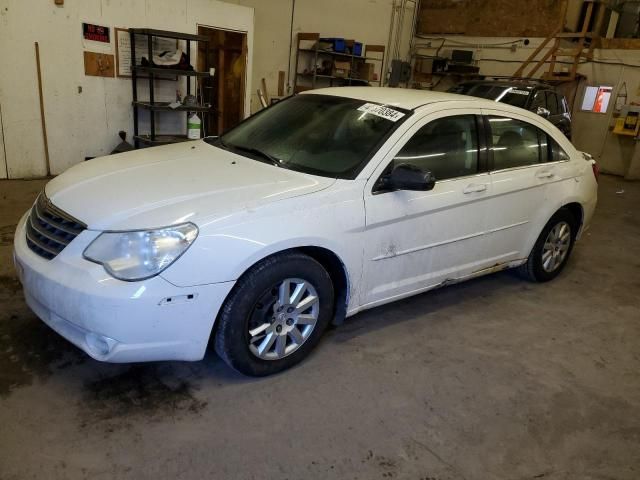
(337, 43)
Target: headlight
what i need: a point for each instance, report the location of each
(142, 254)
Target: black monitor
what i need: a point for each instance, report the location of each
(462, 56)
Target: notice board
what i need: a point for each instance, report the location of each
(123, 49)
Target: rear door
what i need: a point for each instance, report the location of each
(528, 172)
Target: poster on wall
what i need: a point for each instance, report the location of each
(96, 33)
(596, 99)
(123, 49)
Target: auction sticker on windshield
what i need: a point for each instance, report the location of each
(381, 111)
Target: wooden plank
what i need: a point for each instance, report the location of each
(554, 54)
(373, 48)
(531, 57)
(281, 83)
(492, 18)
(244, 74)
(308, 36)
(573, 35)
(221, 72)
(42, 119)
(263, 84)
(620, 43)
(541, 62)
(587, 18)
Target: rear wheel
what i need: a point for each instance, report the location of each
(552, 249)
(275, 314)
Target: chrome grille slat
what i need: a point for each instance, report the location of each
(49, 230)
(42, 231)
(42, 245)
(49, 220)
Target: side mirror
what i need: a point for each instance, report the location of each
(543, 112)
(408, 177)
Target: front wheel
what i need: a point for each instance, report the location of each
(275, 315)
(552, 249)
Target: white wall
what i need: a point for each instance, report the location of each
(82, 124)
(86, 124)
(364, 20)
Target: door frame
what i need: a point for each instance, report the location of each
(248, 62)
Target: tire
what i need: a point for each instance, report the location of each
(259, 301)
(534, 268)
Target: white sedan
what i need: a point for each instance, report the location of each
(321, 206)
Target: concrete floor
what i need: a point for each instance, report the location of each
(493, 379)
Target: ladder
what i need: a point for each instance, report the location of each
(582, 44)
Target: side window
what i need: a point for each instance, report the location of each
(539, 100)
(514, 143)
(553, 151)
(447, 147)
(552, 103)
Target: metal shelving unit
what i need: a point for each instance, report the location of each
(156, 73)
(317, 53)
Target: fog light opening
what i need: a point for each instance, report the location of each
(98, 344)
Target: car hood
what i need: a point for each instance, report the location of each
(176, 183)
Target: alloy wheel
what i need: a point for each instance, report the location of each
(283, 319)
(556, 246)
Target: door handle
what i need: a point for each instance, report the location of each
(475, 188)
(544, 174)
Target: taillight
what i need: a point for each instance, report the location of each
(596, 170)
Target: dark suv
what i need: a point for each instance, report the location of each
(537, 97)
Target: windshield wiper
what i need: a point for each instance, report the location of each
(264, 156)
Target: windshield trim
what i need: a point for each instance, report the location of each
(350, 175)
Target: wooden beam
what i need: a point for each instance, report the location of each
(221, 73)
(281, 83)
(540, 63)
(42, 119)
(535, 53)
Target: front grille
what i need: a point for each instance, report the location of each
(49, 229)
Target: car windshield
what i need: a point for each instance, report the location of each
(516, 96)
(318, 134)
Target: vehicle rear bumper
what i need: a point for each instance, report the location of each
(588, 209)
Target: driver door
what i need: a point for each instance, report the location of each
(419, 239)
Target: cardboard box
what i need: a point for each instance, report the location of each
(341, 69)
(366, 71)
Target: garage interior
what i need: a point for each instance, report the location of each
(494, 378)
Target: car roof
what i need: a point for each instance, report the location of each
(509, 83)
(410, 99)
(406, 98)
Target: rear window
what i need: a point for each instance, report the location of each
(515, 96)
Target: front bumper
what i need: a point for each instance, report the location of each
(112, 320)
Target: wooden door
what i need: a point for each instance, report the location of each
(227, 53)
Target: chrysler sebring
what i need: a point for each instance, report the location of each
(316, 208)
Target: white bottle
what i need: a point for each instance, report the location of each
(193, 127)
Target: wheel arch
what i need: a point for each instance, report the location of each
(577, 211)
(337, 270)
(330, 261)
